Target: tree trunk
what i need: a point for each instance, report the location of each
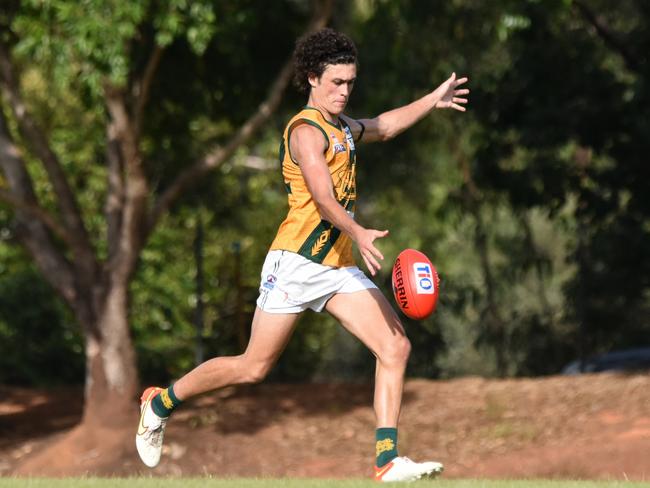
(96, 290)
(111, 374)
(105, 436)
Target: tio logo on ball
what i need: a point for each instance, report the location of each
(423, 279)
(415, 284)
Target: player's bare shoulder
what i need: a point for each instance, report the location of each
(306, 139)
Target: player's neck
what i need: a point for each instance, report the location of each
(330, 117)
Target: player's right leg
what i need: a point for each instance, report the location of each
(270, 333)
(368, 315)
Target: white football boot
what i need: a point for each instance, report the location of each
(151, 429)
(403, 469)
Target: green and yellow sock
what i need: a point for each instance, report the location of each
(386, 445)
(164, 403)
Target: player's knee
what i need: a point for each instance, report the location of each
(396, 352)
(405, 349)
(256, 372)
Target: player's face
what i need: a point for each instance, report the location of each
(332, 90)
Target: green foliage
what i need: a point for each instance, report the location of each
(531, 110)
(579, 141)
(201, 94)
(39, 343)
(91, 41)
(533, 205)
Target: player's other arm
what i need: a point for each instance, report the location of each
(307, 146)
(389, 124)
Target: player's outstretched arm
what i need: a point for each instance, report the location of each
(389, 124)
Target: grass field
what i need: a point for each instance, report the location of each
(295, 483)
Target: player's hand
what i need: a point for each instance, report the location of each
(448, 96)
(370, 254)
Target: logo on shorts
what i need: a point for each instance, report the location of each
(269, 284)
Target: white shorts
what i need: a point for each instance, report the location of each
(292, 283)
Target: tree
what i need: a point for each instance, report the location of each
(105, 57)
(535, 203)
(578, 146)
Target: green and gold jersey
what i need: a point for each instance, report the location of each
(304, 231)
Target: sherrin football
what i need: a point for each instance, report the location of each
(415, 284)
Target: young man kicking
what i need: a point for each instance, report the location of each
(310, 262)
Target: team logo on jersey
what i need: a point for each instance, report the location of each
(338, 146)
(320, 242)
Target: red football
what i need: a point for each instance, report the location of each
(415, 284)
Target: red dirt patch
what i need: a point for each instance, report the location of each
(589, 427)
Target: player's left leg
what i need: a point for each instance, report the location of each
(368, 315)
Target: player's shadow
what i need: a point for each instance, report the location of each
(251, 408)
(30, 413)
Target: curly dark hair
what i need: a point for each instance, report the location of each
(315, 51)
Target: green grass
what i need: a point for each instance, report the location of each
(295, 483)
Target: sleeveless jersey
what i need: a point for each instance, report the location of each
(304, 231)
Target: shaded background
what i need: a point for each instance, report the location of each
(534, 205)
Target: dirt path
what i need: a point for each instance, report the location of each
(595, 426)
